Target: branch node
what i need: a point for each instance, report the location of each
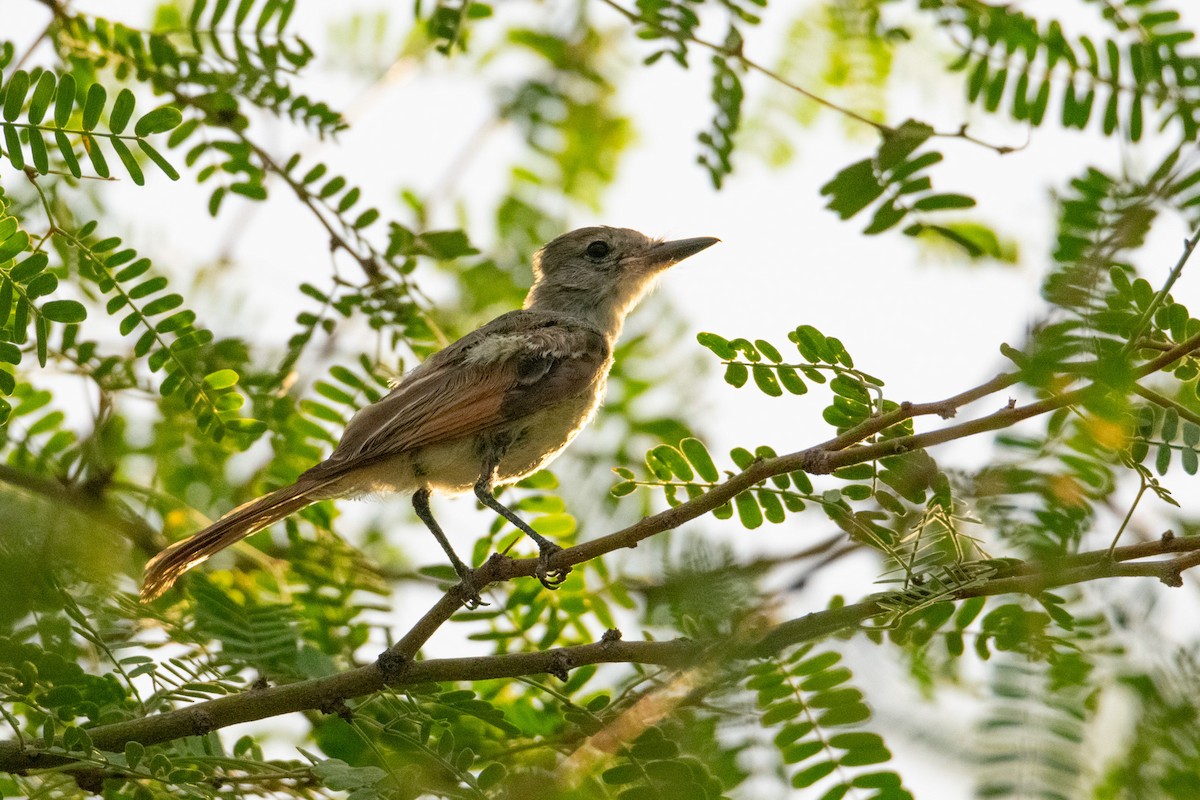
(202, 722)
(611, 635)
(1168, 535)
(260, 683)
(815, 462)
(1172, 577)
(499, 567)
(89, 780)
(336, 705)
(946, 410)
(391, 665)
(560, 665)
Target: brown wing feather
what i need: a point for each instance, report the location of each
(517, 364)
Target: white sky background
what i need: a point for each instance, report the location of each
(929, 328)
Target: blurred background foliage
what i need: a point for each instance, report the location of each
(136, 406)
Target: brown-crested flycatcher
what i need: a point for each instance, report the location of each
(488, 410)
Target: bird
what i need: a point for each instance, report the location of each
(487, 410)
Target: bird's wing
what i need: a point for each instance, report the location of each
(514, 366)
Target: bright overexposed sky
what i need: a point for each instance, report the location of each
(929, 326)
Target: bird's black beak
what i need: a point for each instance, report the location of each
(666, 254)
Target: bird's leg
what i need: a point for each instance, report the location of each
(546, 548)
(471, 598)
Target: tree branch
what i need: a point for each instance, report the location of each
(822, 458)
(395, 667)
(396, 672)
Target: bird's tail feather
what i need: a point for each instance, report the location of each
(166, 567)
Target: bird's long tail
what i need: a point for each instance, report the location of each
(166, 567)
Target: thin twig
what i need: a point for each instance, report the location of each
(1189, 246)
(34, 44)
(754, 66)
(1166, 402)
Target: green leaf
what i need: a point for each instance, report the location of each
(93, 105)
(623, 488)
(133, 754)
(64, 100)
(42, 285)
(9, 354)
(37, 148)
(43, 94)
(253, 191)
(42, 329)
(366, 218)
(940, 202)
(695, 452)
(901, 142)
(791, 380)
(14, 244)
(748, 510)
(12, 146)
(221, 379)
(736, 374)
(674, 461)
(121, 112)
(1162, 461)
(67, 151)
(162, 304)
(127, 158)
(92, 146)
(817, 663)
(14, 94)
(764, 378)
(445, 245)
(719, 345)
(160, 120)
(807, 777)
(491, 775)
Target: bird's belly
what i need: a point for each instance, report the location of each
(524, 445)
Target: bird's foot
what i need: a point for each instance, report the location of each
(551, 579)
(468, 592)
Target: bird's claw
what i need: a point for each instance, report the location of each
(550, 579)
(469, 594)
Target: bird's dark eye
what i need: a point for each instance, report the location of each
(597, 250)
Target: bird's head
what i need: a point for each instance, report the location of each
(600, 273)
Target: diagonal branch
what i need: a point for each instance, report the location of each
(819, 459)
(330, 692)
(396, 667)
